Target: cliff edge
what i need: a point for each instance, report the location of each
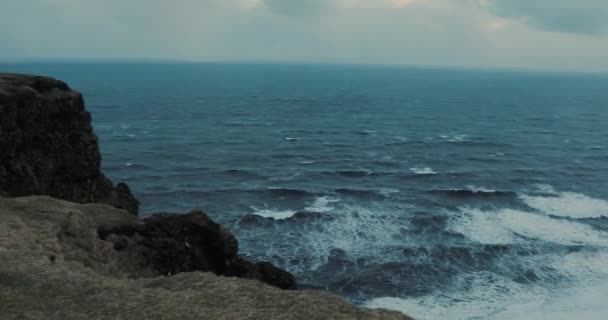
(55, 265)
(91, 257)
(47, 145)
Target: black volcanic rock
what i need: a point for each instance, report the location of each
(47, 145)
(173, 243)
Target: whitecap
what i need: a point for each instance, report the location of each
(458, 138)
(273, 213)
(291, 139)
(484, 295)
(480, 189)
(488, 293)
(509, 226)
(545, 188)
(481, 227)
(321, 204)
(568, 204)
(423, 171)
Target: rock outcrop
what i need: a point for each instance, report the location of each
(47, 145)
(54, 265)
(49, 148)
(174, 243)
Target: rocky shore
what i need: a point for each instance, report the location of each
(73, 247)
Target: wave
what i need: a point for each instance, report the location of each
(568, 204)
(270, 192)
(314, 210)
(307, 162)
(486, 295)
(364, 132)
(360, 193)
(273, 213)
(288, 192)
(322, 204)
(508, 226)
(353, 173)
(354, 229)
(270, 217)
(423, 171)
(473, 192)
(244, 173)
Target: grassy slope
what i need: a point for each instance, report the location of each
(53, 266)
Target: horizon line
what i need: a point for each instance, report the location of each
(167, 61)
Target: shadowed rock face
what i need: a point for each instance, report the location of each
(47, 145)
(174, 243)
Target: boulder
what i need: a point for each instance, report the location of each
(172, 243)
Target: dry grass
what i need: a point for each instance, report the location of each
(53, 266)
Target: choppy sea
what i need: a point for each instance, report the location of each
(443, 193)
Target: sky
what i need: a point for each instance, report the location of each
(521, 34)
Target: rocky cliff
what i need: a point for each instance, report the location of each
(47, 145)
(63, 260)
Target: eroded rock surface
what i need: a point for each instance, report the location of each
(47, 145)
(174, 243)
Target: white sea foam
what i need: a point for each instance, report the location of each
(423, 171)
(458, 138)
(568, 204)
(482, 227)
(508, 226)
(545, 188)
(484, 295)
(291, 139)
(272, 213)
(355, 229)
(488, 293)
(504, 301)
(321, 204)
(480, 189)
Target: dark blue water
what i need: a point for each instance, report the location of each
(448, 194)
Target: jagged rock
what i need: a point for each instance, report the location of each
(174, 243)
(47, 145)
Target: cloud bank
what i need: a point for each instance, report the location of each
(575, 16)
(552, 34)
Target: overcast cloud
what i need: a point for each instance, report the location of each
(551, 34)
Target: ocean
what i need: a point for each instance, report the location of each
(442, 193)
